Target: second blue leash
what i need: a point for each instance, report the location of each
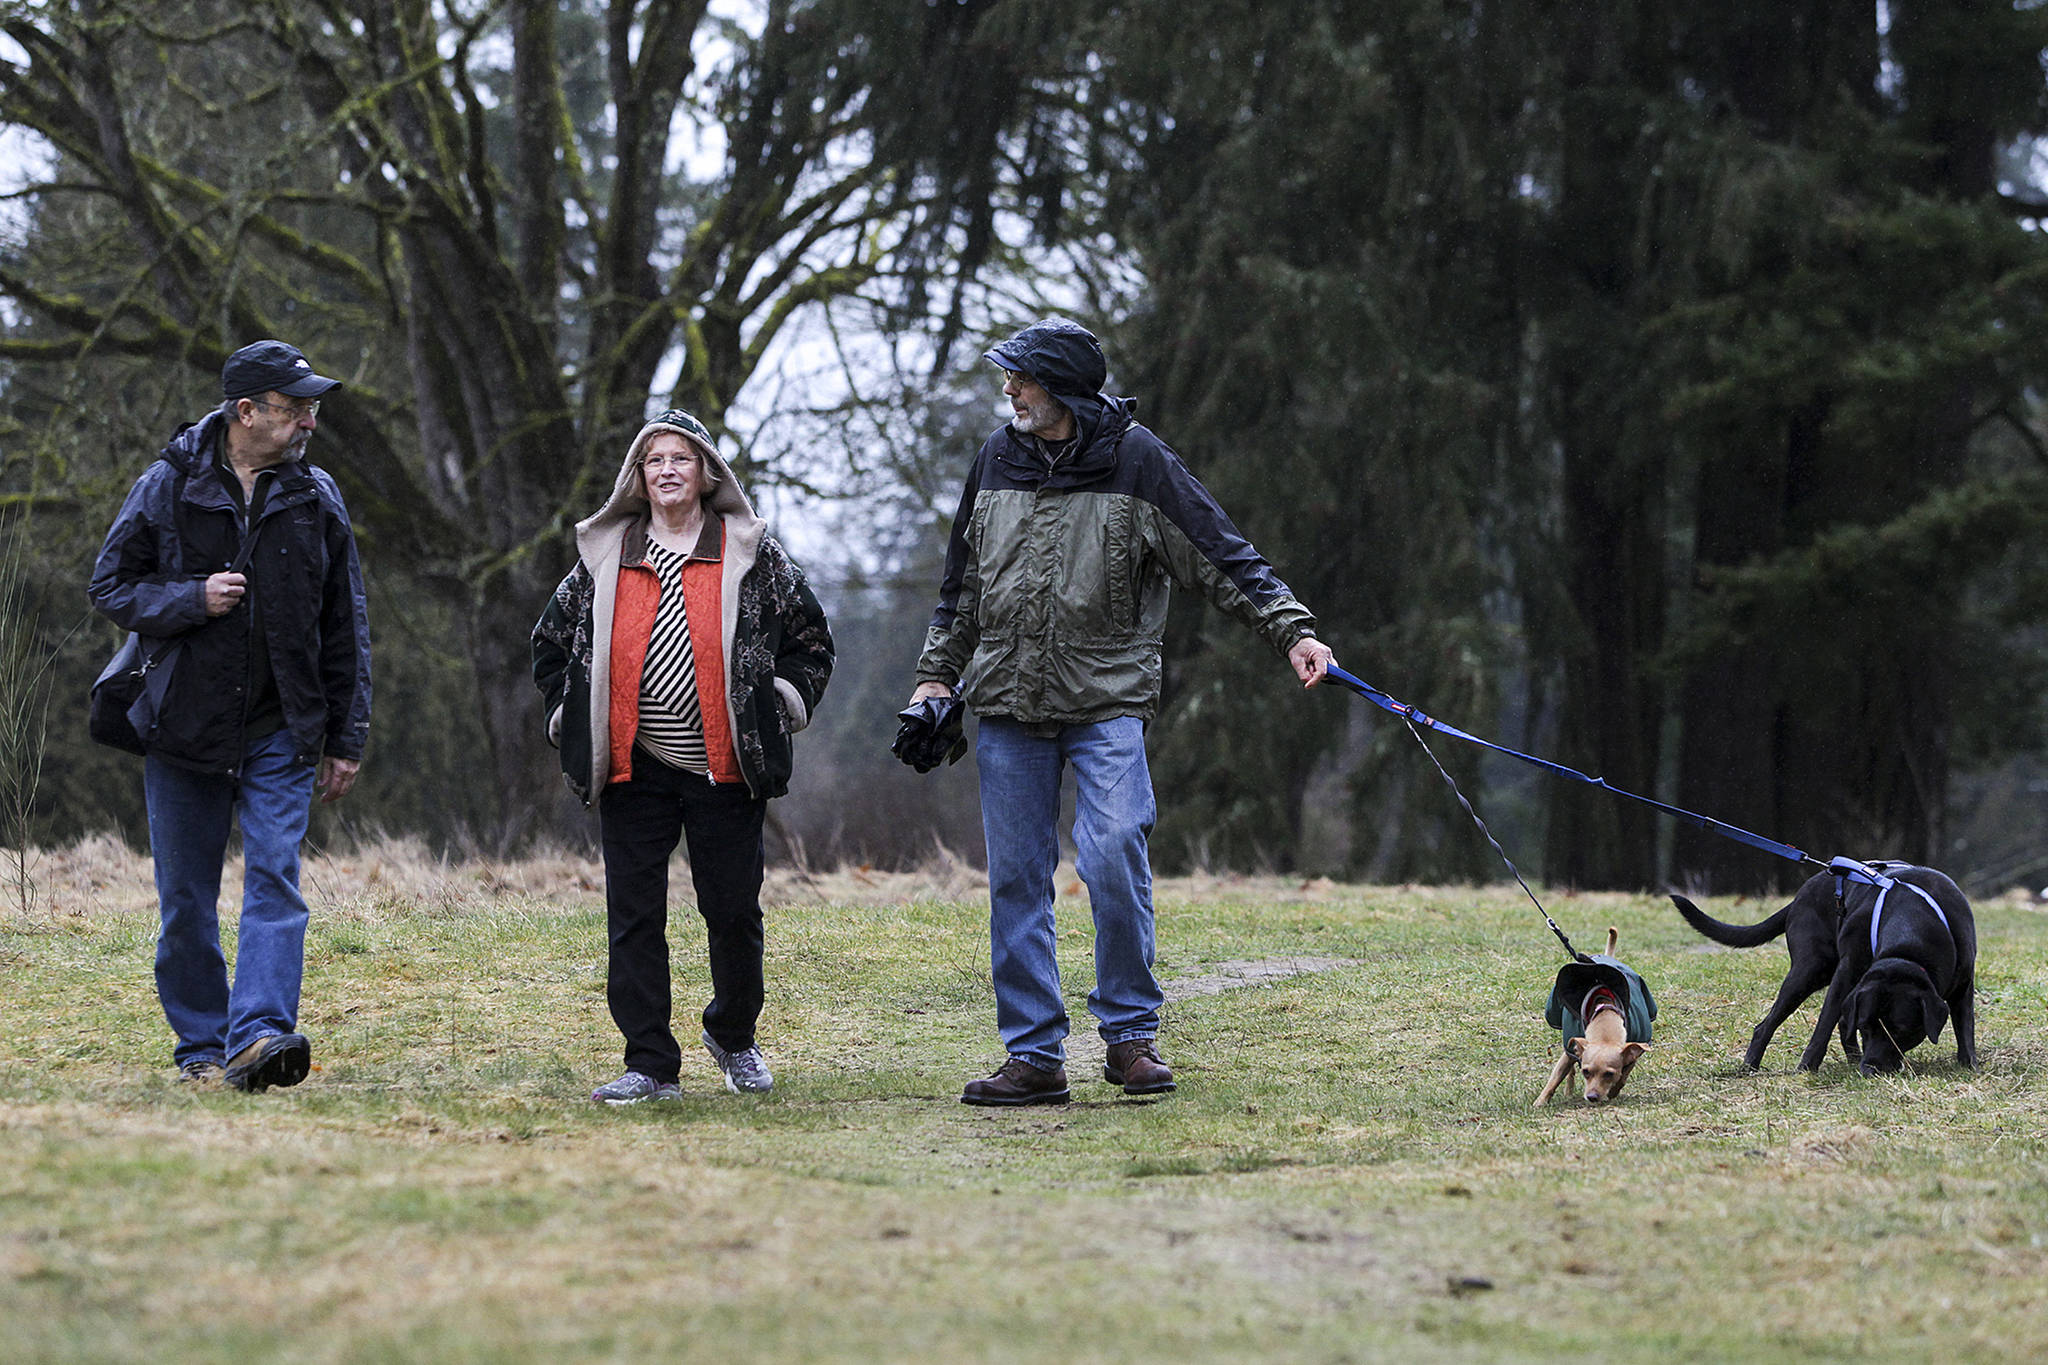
(1576, 955)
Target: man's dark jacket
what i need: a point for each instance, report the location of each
(181, 524)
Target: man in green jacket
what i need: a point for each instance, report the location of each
(1073, 525)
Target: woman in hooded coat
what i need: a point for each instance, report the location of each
(675, 661)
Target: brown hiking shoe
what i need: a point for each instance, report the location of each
(1135, 1066)
(279, 1059)
(1019, 1082)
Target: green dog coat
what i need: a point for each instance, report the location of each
(1576, 980)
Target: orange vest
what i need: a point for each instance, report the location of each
(638, 598)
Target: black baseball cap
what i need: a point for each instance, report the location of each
(264, 366)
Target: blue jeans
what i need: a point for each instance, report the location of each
(189, 817)
(1113, 814)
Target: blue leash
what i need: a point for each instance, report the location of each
(1849, 869)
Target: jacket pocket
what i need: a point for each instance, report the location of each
(790, 708)
(1119, 567)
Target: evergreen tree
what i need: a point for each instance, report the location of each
(1569, 331)
(1851, 360)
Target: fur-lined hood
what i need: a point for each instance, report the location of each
(600, 536)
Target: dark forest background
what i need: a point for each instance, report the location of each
(1657, 387)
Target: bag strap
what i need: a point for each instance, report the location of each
(236, 565)
(254, 519)
(150, 658)
(241, 559)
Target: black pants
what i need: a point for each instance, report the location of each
(640, 821)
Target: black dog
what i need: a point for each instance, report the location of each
(1888, 990)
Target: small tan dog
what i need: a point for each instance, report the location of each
(1597, 1000)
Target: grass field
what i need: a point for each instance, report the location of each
(1351, 1170)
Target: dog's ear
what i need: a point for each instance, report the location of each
(1852, 1014)
(1631, 1053)
(1934, 1013)
(1571, 1048)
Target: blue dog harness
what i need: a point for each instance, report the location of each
(1874, 874)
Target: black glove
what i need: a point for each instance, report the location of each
(932, 732)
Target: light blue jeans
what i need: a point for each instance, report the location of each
(1113, 815)
(189, 817)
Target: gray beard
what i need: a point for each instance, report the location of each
(1036, 424)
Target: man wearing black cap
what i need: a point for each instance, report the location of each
(233, 561)
(1074, 522)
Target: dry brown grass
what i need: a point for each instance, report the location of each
(102, 872)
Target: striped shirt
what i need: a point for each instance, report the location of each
(671, 718)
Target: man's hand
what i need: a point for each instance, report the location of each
(224, 593)
(930, 730)
(337, 775)
(1311, 659)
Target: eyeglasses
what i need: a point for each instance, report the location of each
(662, 461)
(298, 412)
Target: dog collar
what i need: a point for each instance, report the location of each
(1599, 1000)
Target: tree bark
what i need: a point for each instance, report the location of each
(1611, 537)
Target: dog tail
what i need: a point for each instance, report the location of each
(1733, 935)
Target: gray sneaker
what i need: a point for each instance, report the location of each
(745, 1071)
(203, 1072)
(634, 1087)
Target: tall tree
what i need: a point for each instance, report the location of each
(511, 227)
(1519, 317)
(1652, 383)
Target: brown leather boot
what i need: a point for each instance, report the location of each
(1135, 1066)
(278, 1059)
(1019, 1082)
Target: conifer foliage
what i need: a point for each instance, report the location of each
(1653, 383)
